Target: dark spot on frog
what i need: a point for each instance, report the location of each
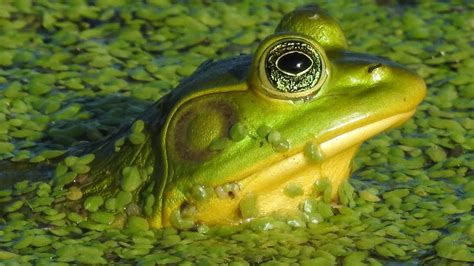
(373, 67)
(231, 195)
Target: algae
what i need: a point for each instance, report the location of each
(74, 72)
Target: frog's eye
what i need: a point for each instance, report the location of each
(294, 68)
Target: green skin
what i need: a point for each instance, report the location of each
(356, 90)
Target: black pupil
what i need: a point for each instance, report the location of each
(294, 62)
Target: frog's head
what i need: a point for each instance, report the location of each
(251, 136)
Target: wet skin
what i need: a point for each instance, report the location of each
(241, 131)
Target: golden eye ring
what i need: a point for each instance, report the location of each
(291, 67)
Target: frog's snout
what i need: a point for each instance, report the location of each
(408, 88)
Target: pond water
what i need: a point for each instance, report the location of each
(72, 73)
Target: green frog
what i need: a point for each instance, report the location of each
(244, 137)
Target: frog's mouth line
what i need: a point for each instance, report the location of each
(358, 135)
(283, 170)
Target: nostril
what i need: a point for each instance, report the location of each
(373, 67)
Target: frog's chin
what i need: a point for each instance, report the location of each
(281, 186)
(340, 148)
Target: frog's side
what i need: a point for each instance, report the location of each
(209, 154)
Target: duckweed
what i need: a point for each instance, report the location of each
(123, 198)
(74, 193)
(428, 237)
(80, 168)
(249, 206)
(281, 145)
(455, 247)
(263, 131)
(131, 179)
(138, 126)
(74, 217)
(369, 195)
(86, 159)
(200, 192)
(5, 255)
(312, 152)
(102, 217)
(218, 144)
(76, 73)
(274, 136)
(118, 144)
(137, 138)
(149, 203)
(111, 204)
(293, 190)
(92, 203)
(136, 223)
(65, 178)
(14, 206)
(238, 132)
(180, 222)
(323, 188)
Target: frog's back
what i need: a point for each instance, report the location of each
(213, 75)
(209, 76)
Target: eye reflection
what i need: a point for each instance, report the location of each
(294, 63)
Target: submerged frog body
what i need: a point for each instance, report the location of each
(244, 137)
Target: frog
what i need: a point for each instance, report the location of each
(246, 137)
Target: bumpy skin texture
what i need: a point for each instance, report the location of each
(199, 172)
